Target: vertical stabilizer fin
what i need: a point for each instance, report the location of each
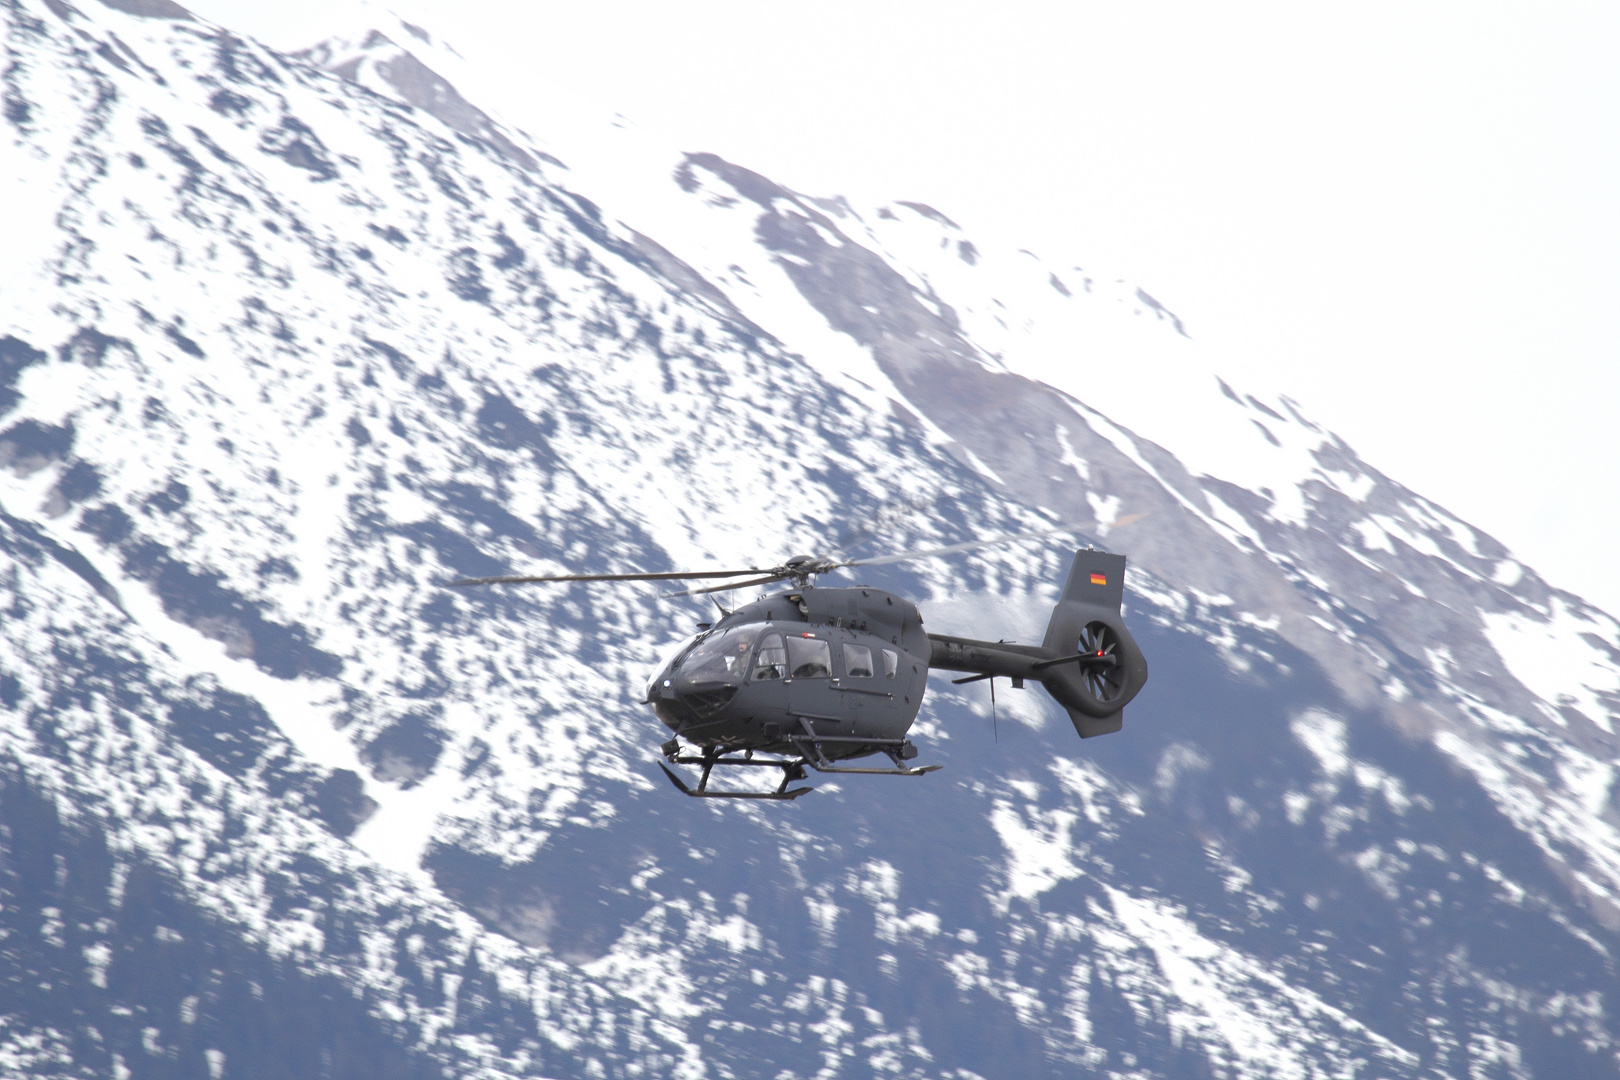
(1103, 669)
(1096, 577)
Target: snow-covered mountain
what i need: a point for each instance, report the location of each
(287, 342)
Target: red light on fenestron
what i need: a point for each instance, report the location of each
(1099, 579)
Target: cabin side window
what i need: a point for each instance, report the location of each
(809, 658)
(891, 663)
(771, 663)
(858, 661)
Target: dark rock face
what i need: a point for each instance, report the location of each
(406, 751)
(342, 803)
(150, 9)
(128, 976)
(274, 801)
(15, 355)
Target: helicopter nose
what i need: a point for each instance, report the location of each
(657, 686)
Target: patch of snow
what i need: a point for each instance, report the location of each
(1271, 1027)
(1040, 850)
(1373, 538)
(1555, 662)
(1324, 736)
(1507, 573)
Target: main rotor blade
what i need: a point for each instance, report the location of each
(970, 546)
(886, 515)
(1011, 538)
(728, 586)
(678, 576)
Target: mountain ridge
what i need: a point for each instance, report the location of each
(288, 354)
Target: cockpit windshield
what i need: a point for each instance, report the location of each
(720, 657)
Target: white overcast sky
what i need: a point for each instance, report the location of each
(1404, 215)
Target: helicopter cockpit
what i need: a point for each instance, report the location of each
(703, 676)
(720, 656)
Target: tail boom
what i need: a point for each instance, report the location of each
(1088, 660)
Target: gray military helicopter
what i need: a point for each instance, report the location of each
(816, 676)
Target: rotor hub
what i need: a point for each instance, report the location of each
(801, 568)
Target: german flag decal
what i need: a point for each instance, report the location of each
(1099, 579)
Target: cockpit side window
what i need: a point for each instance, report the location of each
(809, 658)
(891, 663)
(771, 663)
(857, 661)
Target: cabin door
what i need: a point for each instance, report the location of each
(811, 692)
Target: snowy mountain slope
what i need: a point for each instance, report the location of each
(281, 355)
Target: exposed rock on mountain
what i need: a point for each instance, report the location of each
(288, 342)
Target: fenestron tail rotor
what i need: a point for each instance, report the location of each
(799, 569)
(1099, 662)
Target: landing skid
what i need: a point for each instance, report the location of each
(792, 769)
(903, 770)
(811, 753)
(781, 794)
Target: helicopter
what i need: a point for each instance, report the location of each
(816, 676)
